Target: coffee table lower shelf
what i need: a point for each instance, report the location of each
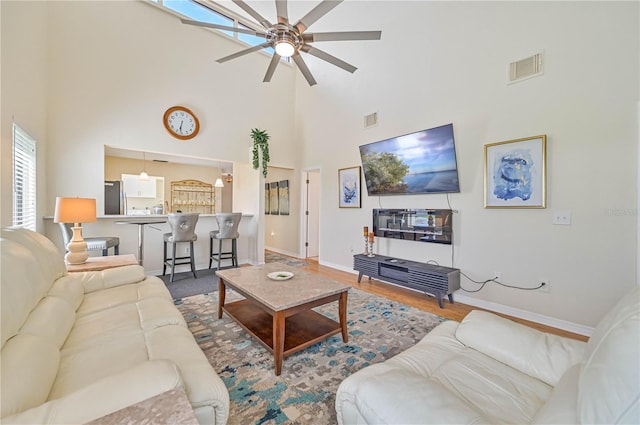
(302, 330)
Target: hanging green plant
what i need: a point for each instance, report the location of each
(260, 143)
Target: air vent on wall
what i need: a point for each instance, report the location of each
(371, 119)
(525, 68)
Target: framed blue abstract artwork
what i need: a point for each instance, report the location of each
(349, 187)
(515, 173)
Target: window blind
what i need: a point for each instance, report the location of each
(24, 179)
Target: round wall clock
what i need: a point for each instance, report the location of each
(181, 123)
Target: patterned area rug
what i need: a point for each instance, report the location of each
(305, 391)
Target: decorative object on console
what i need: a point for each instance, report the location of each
(181, 123)
(370, 246)
(260, 145)
(416, 163)
(421, 225)
(288, 40)
(366, 240)
(515, 173)
(76, 211)
(349, 187)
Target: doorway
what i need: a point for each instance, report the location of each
(311, 213)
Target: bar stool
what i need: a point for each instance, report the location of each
(183, 226)
(99, 243)
(227, 229)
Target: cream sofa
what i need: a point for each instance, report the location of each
(77, 346)
(487, 369)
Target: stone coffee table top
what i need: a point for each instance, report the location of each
(279, 295)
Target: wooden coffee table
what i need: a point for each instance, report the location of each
(278, 312)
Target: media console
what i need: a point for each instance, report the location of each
(438, 281)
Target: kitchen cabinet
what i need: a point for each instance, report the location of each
(193, 196)
(133, 187)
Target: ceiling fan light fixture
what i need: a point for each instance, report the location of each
(285, 49)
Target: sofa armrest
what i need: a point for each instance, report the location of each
(541, 355)
(109, 278)
(105, 396)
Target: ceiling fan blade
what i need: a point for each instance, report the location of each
(329, 58)
(302, 66)
(281, 11)
(342, 36)
(244, 52)
(223, 27)
(255, 15)
(316, 13)
(275, 60)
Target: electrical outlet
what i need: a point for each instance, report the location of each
(497, 275)
(186, 250)
(545, 287)
(562, 217)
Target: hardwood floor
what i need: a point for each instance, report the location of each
(456, 311)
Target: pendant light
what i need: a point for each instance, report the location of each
(218, 182)
(143, 174)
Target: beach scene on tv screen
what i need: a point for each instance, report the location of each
(421, 162)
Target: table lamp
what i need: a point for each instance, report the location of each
(76, 211)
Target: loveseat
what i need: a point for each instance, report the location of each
(487, 369)
(78, 346)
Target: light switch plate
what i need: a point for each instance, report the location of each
(562, 217)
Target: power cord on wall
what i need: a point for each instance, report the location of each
(495, 280)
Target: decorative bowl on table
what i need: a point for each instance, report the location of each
(280, 275)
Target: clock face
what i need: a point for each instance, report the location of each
(181, 123)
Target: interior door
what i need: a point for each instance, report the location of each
(312, 213)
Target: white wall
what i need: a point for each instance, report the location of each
(442, 62)
(281, 232)
(23, 94)
(115, 67)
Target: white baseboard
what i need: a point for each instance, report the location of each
(282, 251)
(504, 309)
(526, 315)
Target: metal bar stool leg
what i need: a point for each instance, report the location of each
(173, 261)
(193, 261)
(164, 262)
(210, 251)
(234, 253)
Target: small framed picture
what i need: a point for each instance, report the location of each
(349, 187)
(515, 173)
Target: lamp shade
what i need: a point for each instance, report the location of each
(218, 183)
(75, 210)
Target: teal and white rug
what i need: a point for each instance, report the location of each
(305, 391)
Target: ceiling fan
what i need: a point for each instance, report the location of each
(289, 40)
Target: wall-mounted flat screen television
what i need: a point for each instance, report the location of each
(421, 225)
(416, 163)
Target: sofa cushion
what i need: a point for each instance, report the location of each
(23, 286)
(29, 366)
(104, 396)
(609, 388)
(111, 340)
(51, 319)
(150, 287)
(541, 355)
(110, 278)
(560, 407)
(440, 380)
(50, 259)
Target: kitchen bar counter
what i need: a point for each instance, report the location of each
(153, 241)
